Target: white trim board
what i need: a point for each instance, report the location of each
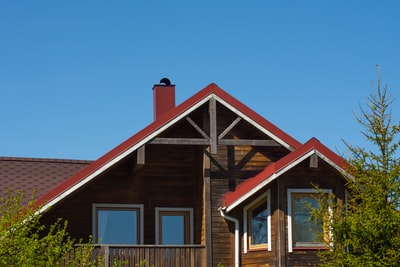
(266, 195)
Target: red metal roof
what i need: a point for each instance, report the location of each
(250, 186)
(159, 123)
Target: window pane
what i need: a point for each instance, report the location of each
(305, 231)
(259, 225)
(117, 227)
(173, 229)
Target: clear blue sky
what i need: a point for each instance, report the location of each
(76, 77)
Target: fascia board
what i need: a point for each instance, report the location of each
(334, 165)
(281, 171)
(268, 180)
(254, 123)
(150, 136)
(123, 154)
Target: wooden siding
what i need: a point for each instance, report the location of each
(168, 179)
(261, 257)
(301, 176)
(229, 167)
(197, 177)
(222, 230)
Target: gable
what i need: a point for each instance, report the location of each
(167, 129)
(312, 148)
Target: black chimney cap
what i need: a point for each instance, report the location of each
(165, 81)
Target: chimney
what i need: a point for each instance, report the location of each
(163, 97)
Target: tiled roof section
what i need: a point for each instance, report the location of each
(36, 174)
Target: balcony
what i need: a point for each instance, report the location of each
(153, 255)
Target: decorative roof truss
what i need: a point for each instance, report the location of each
(210, 135)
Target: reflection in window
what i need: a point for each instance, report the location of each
(302, 231)
(257, 223)
(115, 224)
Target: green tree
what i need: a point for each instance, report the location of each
(366, 230)
(25, 242)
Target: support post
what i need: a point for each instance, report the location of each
(213, 126)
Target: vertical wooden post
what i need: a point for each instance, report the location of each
(106, 255)
(207, 193)
(281, 235)
(207, 219)
(213, 126)
(207, 208)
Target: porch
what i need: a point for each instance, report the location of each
(153, 255)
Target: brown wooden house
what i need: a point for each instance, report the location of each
(208, 182)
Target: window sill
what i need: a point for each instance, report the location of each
(258, 249)
(310, 248)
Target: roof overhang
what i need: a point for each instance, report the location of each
(275, 170)
(162, 123)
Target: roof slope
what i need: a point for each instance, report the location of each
(35, 175)
(163, 122)
(273, 171)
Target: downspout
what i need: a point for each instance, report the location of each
(236, 221)
(279, 227)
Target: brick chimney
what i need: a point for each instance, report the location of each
(163, 97)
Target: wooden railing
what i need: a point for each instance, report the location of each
(152, 255)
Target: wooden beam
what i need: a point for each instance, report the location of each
(207, 142)
(140, 160)
(229, 128)
(213, 126)
(314, 161)
(197, 127)
(179, 141)
(247, 142)
(207, 208)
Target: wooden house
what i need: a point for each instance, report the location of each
(208, 183)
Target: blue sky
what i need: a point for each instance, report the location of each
(76, 76)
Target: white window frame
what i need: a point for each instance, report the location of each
(289, 207)
(248, 207)
(139, 207)
(347, 198)
(158, 217)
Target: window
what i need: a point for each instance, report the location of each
(348, 199)
(174, 226)
(303, 232)
(257, 223)
(117, 224)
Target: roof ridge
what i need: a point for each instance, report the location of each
(118, 152)
(54, 160)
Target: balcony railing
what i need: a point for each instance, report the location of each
(152, 255)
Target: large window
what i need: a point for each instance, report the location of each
(257, 224)
(174, 226)
(303, 232)
(117, 224)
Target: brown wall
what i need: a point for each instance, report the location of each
(173, 176)
(230, 167)
(301, 176)
(169, 179)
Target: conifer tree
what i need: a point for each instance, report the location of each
(365, 231)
